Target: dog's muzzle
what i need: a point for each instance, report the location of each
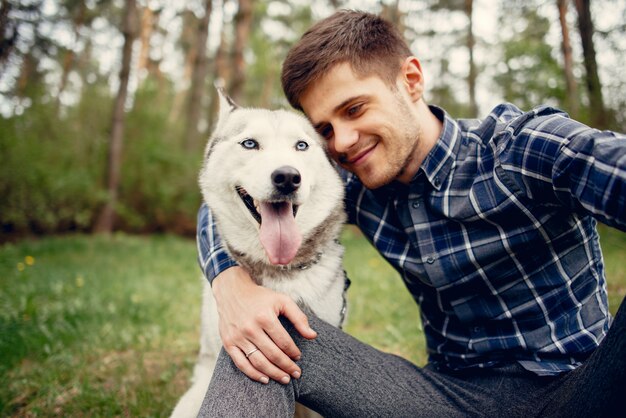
(286, 179)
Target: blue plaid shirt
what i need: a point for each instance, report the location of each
(495, 238)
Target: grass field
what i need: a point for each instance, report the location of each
(93, 326)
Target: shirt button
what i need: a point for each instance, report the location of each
(477, 329)
(415, 204)
(437, 181)
(430, 260)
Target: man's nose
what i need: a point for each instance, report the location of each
(345, 138)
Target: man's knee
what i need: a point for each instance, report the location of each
(314, 322)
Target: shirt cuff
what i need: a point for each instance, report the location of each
(212, 257)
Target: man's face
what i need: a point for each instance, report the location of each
(371, 128)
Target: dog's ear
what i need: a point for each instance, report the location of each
(226, 106)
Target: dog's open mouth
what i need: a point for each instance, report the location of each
(254, 205)
(278, 231)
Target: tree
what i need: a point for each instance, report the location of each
(8, 34)
(198, 77)
(78, 20)
(599, 117)
(392, 12)
(106, 218)
(451, 38)
(243, 25)
(568, 62)
(148, 21)
(529, 74)
(21, 46)
(187, 44)
(472, 73)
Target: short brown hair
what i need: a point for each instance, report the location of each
(370, 44)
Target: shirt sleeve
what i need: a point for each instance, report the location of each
(555, 160)
(212, 256)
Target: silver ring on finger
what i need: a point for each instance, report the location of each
(249, 353)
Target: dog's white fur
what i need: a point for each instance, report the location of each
(315, 277)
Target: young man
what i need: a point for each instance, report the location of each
(491, 224)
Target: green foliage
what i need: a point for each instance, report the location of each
(50, 169)
(268, 49)
(53, 158)
(529, 74)
(52, 176)
(159, 190)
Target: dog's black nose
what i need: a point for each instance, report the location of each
(286, 179)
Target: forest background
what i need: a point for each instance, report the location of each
(106, 104)
(105, 107)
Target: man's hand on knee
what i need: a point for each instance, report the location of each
(250, 329)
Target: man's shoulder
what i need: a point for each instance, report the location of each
(508, 118)
(507, 113)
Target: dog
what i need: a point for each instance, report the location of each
(277, 201)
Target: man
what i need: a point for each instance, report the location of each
(491, 224)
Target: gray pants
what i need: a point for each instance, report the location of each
(342, 377)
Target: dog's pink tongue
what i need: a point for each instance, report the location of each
(279, 234)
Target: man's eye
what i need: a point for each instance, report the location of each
(249, 144)
(353, 110)
(326, 131)
(302, 146)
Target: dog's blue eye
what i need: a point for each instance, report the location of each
(302, 146)
(249, 144)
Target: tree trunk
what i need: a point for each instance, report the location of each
(220, 69)
(566, 48)
(70, 55)
(147, 27)
(472, 74)
(392, 13)
(106, 218)
(598, 113)
(27, 72)
(7, 37)
(198, 76)
(243, 25)
(190, 48)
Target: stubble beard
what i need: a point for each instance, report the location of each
(409, 141)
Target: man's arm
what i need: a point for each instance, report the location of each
(248, 313)
(556, 160)
(212, 256)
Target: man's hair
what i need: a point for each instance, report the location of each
(370, 44)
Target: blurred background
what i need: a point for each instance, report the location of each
(105, 107)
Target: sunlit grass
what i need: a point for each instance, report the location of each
(97, 327)
(381, 311)
(93, 326)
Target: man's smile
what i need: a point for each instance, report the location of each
(360, 157)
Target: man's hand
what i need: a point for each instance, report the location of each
(248, 320)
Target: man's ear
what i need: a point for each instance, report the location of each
(412, 77)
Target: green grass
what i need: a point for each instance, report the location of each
(94, 326)
(381, 312)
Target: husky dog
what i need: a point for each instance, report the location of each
(278, 205)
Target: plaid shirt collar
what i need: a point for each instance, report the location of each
(438, 163)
